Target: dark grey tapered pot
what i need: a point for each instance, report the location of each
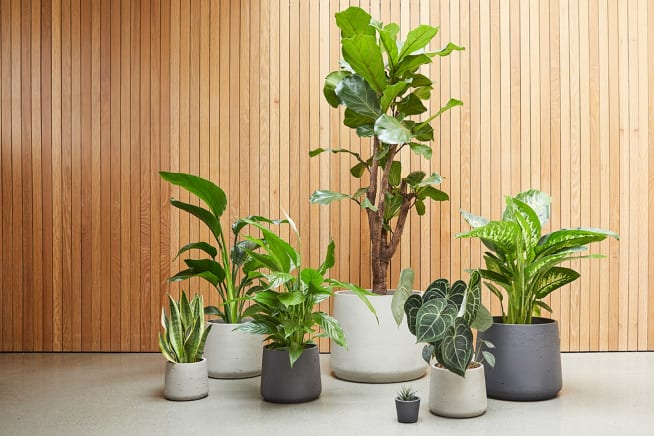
(407, 411)
(281, 383)
(527, 360)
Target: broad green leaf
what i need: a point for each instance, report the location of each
(390, 94)
(206, 265)
(331, 82)
(457, 347)
(387, 38)
(495, 292)
(392, 204)
(326, 197)
(433, 179)
(420, 80)
(439, 288)
(191, 273)
(421, 149)
(483, 320)
(564, 239)
(268, 297)
(411, 63)
(358, 170)
(365, 131)
(453, 102)
(354, 21)
(420, 207)
(256, 328)
(353, 119)
(330, 260)
(289, 299)
(423, 132)
(411, 105)
(390, 130)
(473, 220)
(402, 293)
(433, 318)
(411, 307)
(415, 177)
(366, 204)
(364, 56)
(489, 358)
(395, 175)
(423, 93)
(417, 39)
(449, 48)
(318, 151)
(202, 246)
(203, 214)
(431, 192)
(295, 350)
(240, 250)
(205, 190)
(539, 202)
(554, 279)
(523, 215)
(358, 96)
(502, 234)
(277, 279)
(359, 192)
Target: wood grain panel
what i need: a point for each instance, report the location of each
(98, 96)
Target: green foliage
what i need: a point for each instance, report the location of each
(225, 269)
(520, 262)
(380, 87)
(185, 332)
(284, 310)
(407, 393)
(443, 318)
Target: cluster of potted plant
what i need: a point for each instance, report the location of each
(266, 291)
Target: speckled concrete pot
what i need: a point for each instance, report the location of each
(527, 360)
(186, 381)
(376, 352)
(232, 354)
(453, 396)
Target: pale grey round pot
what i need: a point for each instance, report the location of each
(281, 383)
(186, 381)
(453, 396)
(232, 354)
(527, 360)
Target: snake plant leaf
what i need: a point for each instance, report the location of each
(390, 130)
(401, 295)
(326, 197)
(331, 82)
(331, 328)
(554, 279)
(205, 190)
(363, 54)
(417, 39)
(498, 235)
(167, 353)
(202, 246)
(357, 95)
(411, 307)
(433, 318)
(354, 21)
(563, 239)
(185, 312)
(456, 348)
(176, 332)
(428, 353)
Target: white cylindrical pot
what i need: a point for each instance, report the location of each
(186, 381)
(232, 354)
(453, 396)
(376, 353)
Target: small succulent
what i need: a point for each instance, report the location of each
(407, 393)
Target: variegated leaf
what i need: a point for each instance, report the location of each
(433, 318)
(457, 347)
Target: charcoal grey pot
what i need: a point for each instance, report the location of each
(407, 411)
(281, 383)
(527, 360)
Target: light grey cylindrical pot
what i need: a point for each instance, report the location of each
(281, 383)
(407, 411)
(453, 396)
(186, 381)
(232, 354)
(527, 360)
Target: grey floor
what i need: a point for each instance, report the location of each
(121, 394)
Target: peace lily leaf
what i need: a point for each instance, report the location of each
(202, 246)
(391, 131)
(326, 197)
(357, 95)
(417, 39)
(354, 21)
(205, 190)
(331, 82)
(364, 56)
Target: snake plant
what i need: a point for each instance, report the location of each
(522, 263)
(185, 332)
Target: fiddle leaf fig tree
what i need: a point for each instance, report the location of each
(380, 87)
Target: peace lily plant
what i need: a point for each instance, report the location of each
(523, 264)
(382, 90)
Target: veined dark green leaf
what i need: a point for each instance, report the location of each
(331, 328)
(331, 82)
(326, 197)
(411, 307)
(433, 318)
(415, 177)
(390, 130)
(390, 94)
(289, 299)
(354, 21)
(421, 149)
(457, 347)
(427, 353)
(472, 297)
(205, 190)
(554, 279)
(411, 105)
(423, 93)
(203, 214)
(202, 246)
(364, 56)
(357, 95)
(353, 119)
(449, 48)
(420, 207)
(417, 39)
(411, 63)
(204, 265)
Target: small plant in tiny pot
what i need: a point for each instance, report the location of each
(382, 91)
(182, 344)
(285, 312)
(407, 405)
(229, 354)
(522, 268)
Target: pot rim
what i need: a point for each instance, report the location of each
(204, 359)
(222, 321)
(542, 322)
(477, 368)
(306, 347)
(417, 400)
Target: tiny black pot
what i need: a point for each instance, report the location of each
(527, 360)
(407, 411)
(281, 383)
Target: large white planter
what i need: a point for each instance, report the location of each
(377, 353)
(186, 381)
(453, 396)
(232, 354)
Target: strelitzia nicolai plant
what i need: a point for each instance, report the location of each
(185, 332)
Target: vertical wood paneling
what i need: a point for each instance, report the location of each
(98, 96)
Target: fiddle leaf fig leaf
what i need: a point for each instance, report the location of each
(326, 197)
(391, 131)
(331, 82)
(421, 149)
(357, 95)
(364, 56)
(354, 21)
(449, 48)
(391, 92)
(417, 39)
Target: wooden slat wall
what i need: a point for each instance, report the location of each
(96, 96)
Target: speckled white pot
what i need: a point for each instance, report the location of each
(453, 396)
(376, 353)
(186, 381)
(232, 354)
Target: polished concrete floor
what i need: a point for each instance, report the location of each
(121, 394)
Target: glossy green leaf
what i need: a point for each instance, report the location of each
(427, 353)
(564, 239)
(421, 149)
(387, 38)
(331, 328)
(353, 119)
(421, 209)
(411, 307)
(489, 358)
(411, 63)
(391, 131)
(331, 82)
(390, 94)
(326, 197)
(433, 318)
(423, 93)
(431, 192)
(330, 260)
(423, 132)
(366, 204)
(417, 39)
(472, 297)
(539, 202)
(202, 246)
(203, 214)
(364, 56)
(457, 348)
(554, 279)
(358, 96)
(205, 190)
(503, 234)
(449, 48)
(395, 175)
(433, 179)
(420, 80)
(483, 320)
(354, 21)
(411, 105)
